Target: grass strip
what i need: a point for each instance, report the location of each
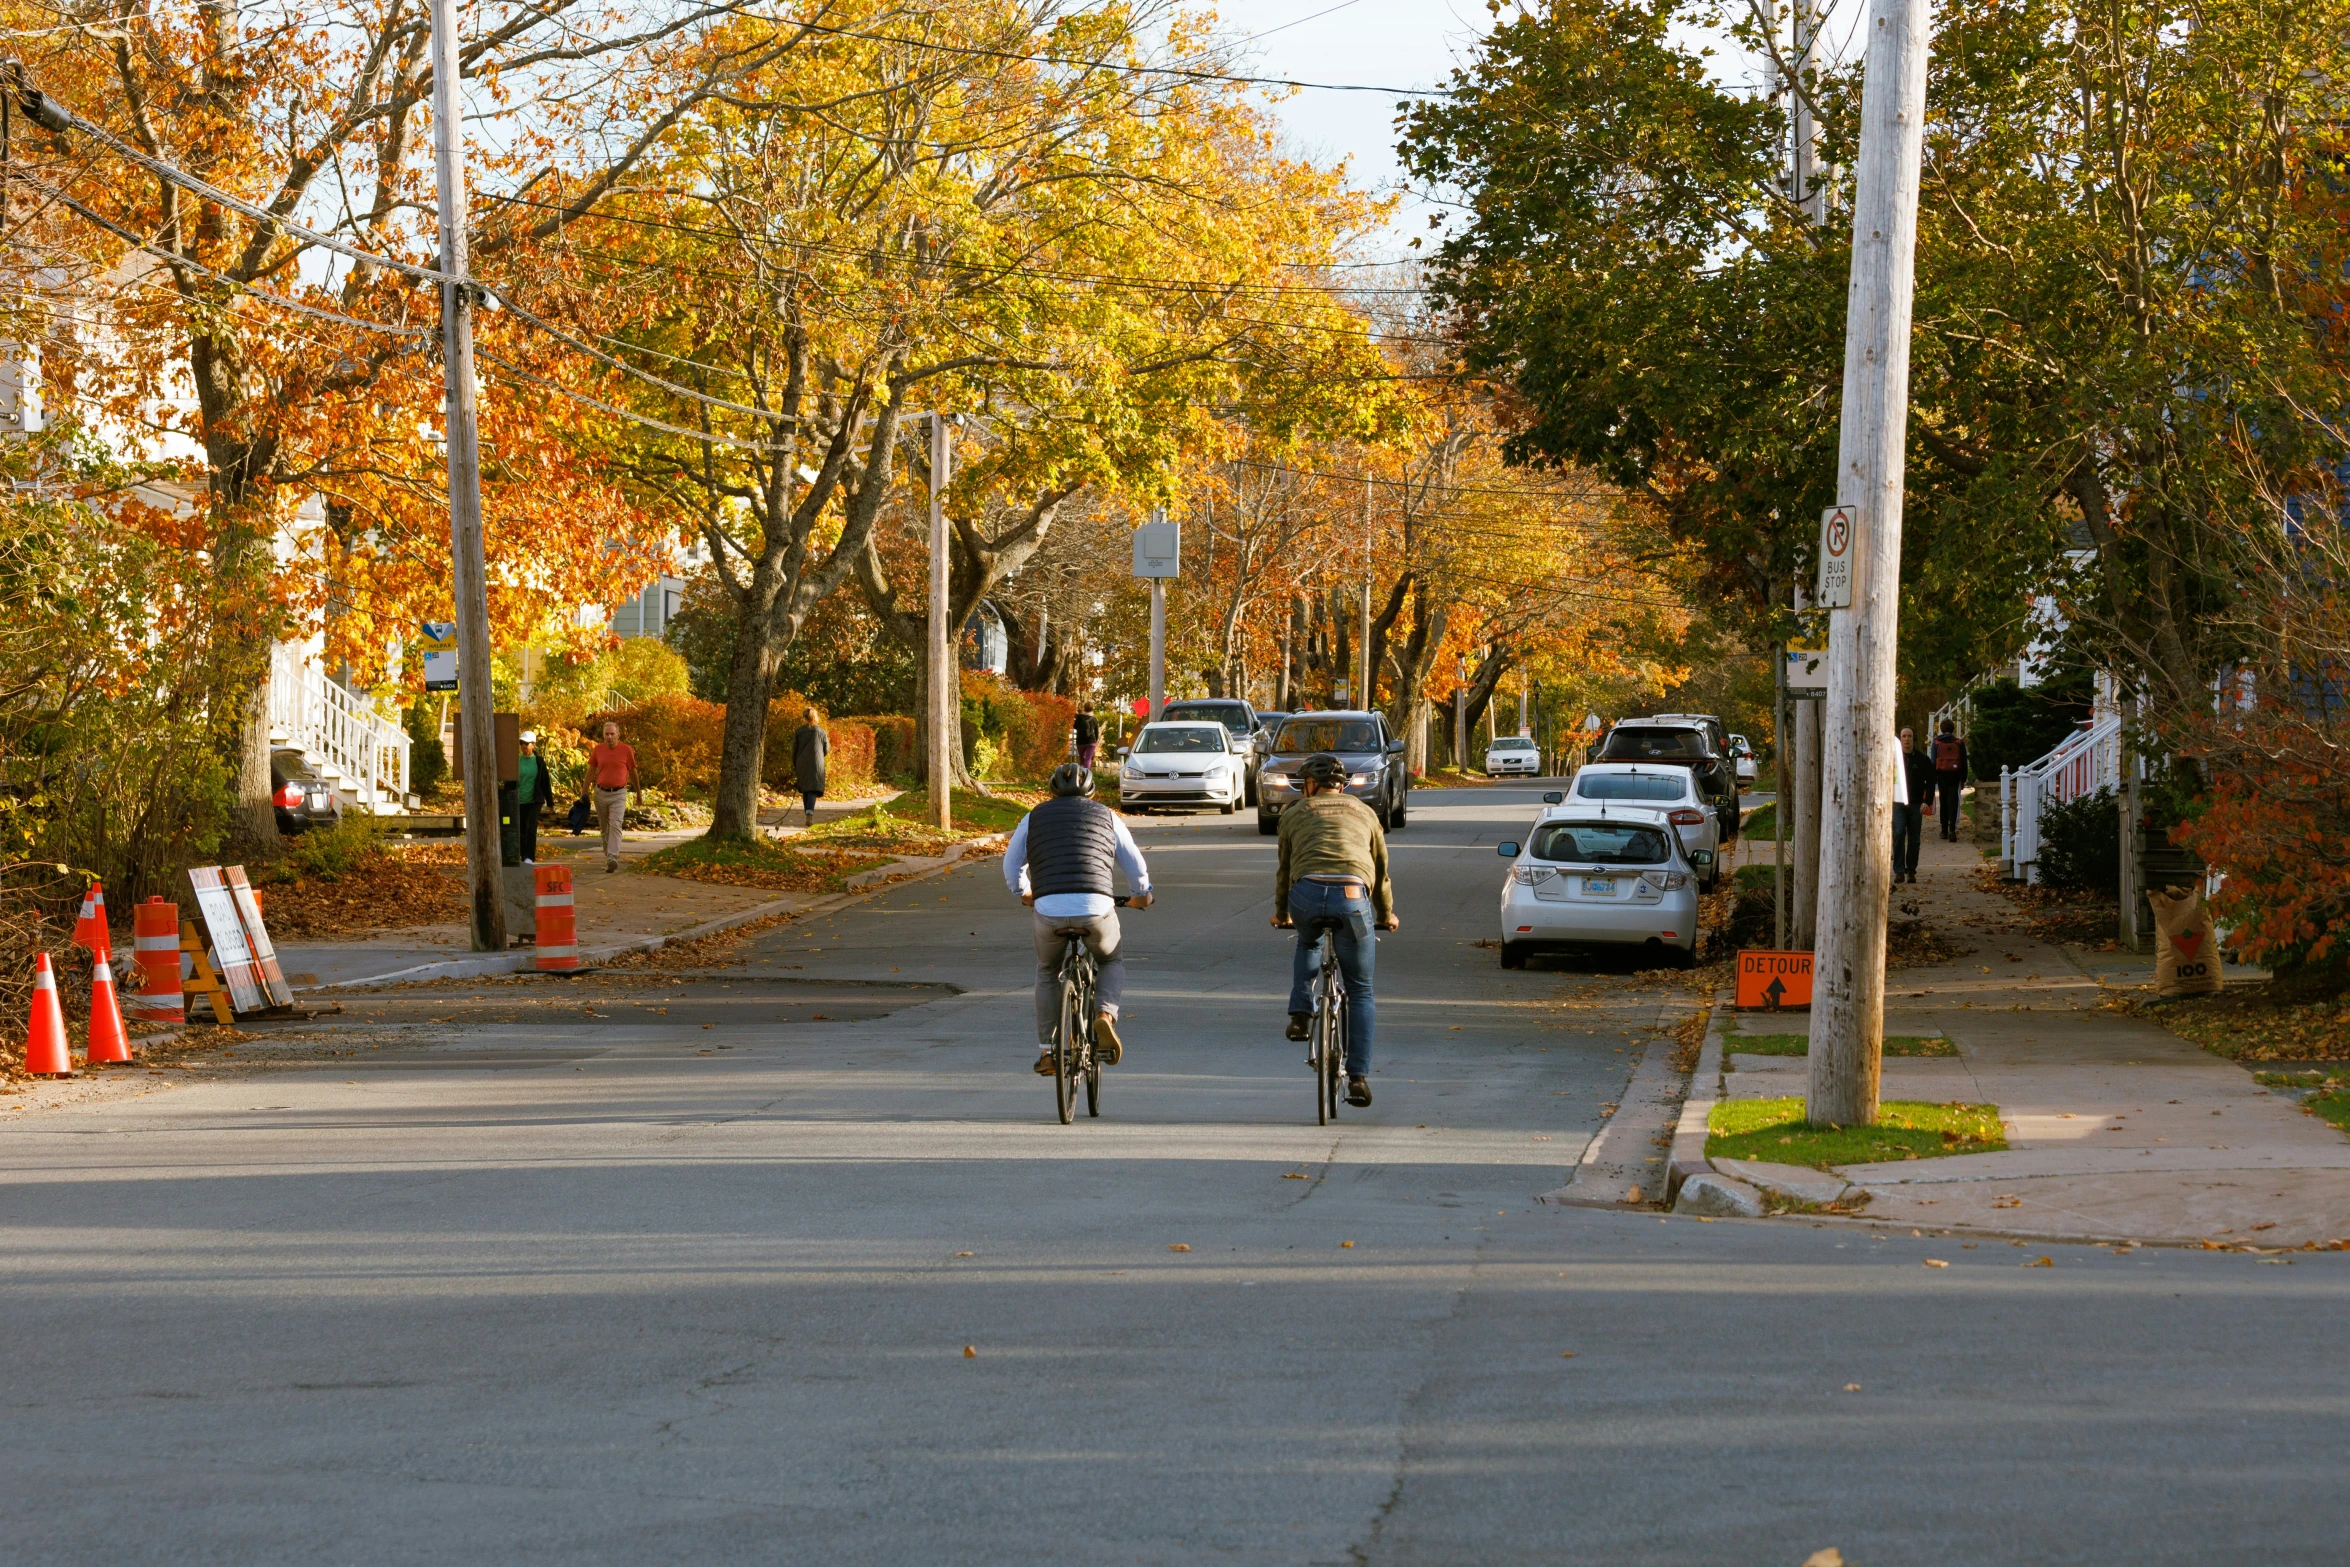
(1774, 1130)
(2330, 1107)
(1798, 1044)
(761, 863)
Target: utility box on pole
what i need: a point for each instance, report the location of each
(1158, 555)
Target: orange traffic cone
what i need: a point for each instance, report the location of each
(45, 1054)
(90, 929)
(109, 1041)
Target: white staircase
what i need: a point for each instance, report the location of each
(2087, 761)
(363, 754)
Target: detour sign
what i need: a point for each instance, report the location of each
(1773, 981)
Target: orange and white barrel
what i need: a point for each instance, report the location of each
(159, 998)
(558, 934)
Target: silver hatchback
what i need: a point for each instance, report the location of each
(1601, 875)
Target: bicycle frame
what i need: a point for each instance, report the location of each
(1327, 1052)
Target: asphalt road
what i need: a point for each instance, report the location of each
(595, 1282)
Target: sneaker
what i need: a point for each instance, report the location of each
(1044, 1064)
(1106, 1043)
(610, 866)
(1299, 1024)
(1358, 1091)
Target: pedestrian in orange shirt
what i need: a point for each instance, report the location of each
(612, 773)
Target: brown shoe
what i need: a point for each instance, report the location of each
(1299, 1023)
(1044, 1064)
(1106, 1042)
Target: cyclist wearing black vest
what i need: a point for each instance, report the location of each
(1060, 861)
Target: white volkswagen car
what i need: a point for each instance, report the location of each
(1601, 874)
(1672, 790)
(1512, 754)
(1189, 764)
(1742, 752)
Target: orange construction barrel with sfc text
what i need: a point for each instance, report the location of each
(558, 935)
(1773, 981)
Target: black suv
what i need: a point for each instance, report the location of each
(1687, 740)
(1374, 764)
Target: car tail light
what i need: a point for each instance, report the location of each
(1666, 881)
(1531, 875)
(1686, 817)
(289, 796)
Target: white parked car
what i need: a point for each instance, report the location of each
(1512, 754)
(1669, 789)
(1742, 752)
(1183, 764)
(1601, 875)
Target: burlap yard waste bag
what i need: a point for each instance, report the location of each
(2186, 950)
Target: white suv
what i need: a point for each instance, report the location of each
(1664, 788)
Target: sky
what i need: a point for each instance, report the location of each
(1389, 43)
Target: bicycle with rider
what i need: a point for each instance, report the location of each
(1060, 861)
(1333, 875)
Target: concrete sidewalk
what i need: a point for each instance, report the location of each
(2117, 1128)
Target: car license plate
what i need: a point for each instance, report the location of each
(1599, 887)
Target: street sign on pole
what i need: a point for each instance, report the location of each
(438, 640)
(1838, 527)
(1807, 669)
(1158, 555)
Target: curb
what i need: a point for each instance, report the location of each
(525, 961)
(1705, 1089)
(1614, 1170)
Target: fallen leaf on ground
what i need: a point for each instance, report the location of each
(1179, 1246)
(1936, 1262)
(970, 1352)
(2044, 1262)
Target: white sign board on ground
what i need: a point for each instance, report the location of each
(1839, 528)
(234, 955)
(265, 964)
(1158, 550)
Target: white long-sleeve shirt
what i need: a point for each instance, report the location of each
(1076, 905)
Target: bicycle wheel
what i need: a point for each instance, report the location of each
(1065, 1055)
(1335, 1051)
(1093, 1081)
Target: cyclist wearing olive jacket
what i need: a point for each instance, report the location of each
(1333, 874)
(1059, 861)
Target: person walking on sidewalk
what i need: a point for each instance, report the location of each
(1909, 818)
(1332, 873)
(1089, 736)
(612, 773)
(1950, 773)
(810, 745)
(535, 794)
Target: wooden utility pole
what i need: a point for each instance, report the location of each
(1809, 189)
(1856, 850)
(946, 692)
(1801, 808)
(477, 745)
(1363, 693)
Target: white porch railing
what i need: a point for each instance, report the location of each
(363, 753)
(1960, 709)
(2087, 761)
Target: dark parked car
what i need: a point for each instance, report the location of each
(1239, 721)
(302, 795)
(1374, 764)
(1683, 741)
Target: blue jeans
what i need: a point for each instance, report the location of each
(1909, 827)
(1313, 905)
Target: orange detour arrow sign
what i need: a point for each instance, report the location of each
(1773, 981)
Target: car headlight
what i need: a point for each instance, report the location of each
(1362, 780)
(1130, 771)
(1279, 781)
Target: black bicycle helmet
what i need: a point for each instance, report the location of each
(1069, 778)
(1324, 769)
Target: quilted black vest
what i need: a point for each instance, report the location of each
(1072, 846)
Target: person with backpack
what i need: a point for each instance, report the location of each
(1950, 775)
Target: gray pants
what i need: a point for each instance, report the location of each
(1101, 939)
(611, 810)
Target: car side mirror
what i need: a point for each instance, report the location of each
(1553, 797)
(1506, 849)
(1701, 858)
(1394, 747)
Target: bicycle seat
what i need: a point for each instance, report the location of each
(1070, 930)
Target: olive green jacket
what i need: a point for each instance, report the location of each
(1333, 834)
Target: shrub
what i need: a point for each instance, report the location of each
(428, 759)
(2080, 844)
(676, 738)
(893, 745)
(2014, 725)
